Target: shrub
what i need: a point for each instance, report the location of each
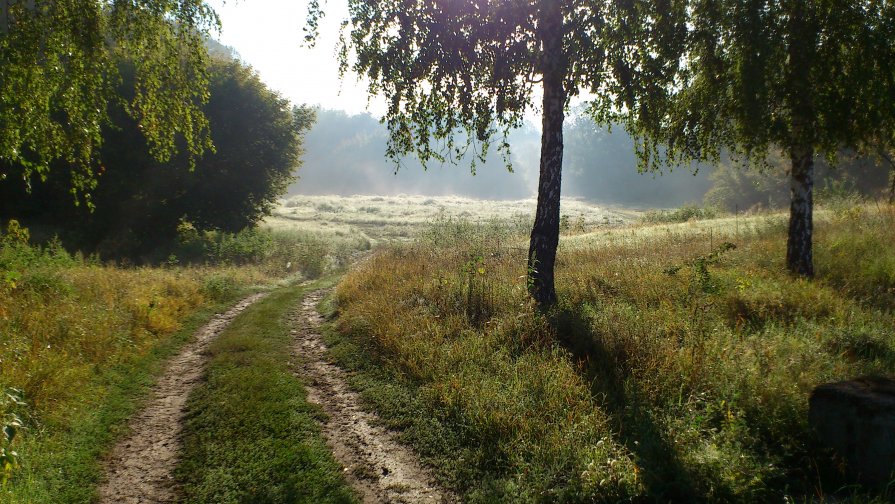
(277, 252)
(682, 214)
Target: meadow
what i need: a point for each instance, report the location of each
(384, 219)
(677, 366)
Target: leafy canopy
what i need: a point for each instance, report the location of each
(59, 76)
(139, 201)
(764, 74)
(469, 69)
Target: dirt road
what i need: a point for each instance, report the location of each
(140, 469)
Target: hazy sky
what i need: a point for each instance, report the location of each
(268, 35)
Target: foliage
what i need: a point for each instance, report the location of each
(139, 201)
(768, 74)
(640, 385)
(276, 251)
(735, 188)
(449, 67)
(60, 72)
(472, 66)
(344, 156)
(601, 164)
(752, 68)
(682, 214)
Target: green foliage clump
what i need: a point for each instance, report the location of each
(850, 180)
(683, 214)
(278, 252)
(139, 201)
(59, 75)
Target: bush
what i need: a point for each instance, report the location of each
(683, 214)
(277, 252)
(219, 287)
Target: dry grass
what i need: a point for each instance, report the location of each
(60, 325)
(399, 218)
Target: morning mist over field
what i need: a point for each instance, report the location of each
(345, 155)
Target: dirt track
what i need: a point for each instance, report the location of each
(140, 467)
(376, 465)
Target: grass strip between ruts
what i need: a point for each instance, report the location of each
(250, 434)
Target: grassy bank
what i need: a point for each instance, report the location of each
(250, 435)
(675, 368)
(81, 343)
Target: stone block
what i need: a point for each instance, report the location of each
(856, 418)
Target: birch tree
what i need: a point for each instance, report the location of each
(809, 77)
(58, 75)
(458, 75)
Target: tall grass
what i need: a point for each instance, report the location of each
(676, 367)
(275, 252)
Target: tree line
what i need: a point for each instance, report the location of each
(138, 200)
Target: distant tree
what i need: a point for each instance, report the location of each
(471, 66)
(59, 75)
(601, 164)
(810, 77)
(735, 187)
(140, 200)
(888, 156)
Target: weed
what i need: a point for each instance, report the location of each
(11, 424)
(683, 214)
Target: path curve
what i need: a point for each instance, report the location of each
(140, 468)
(379, 467)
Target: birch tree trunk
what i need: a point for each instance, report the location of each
(799, 257)
(801, 51)
(545, 233)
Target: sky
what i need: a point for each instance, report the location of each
(269, 36)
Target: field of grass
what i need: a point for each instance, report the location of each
(81, 342)
(250, 435)
(676, 367)
(381, 219)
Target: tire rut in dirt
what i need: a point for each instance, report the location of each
(140, 468)
(379, 467)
